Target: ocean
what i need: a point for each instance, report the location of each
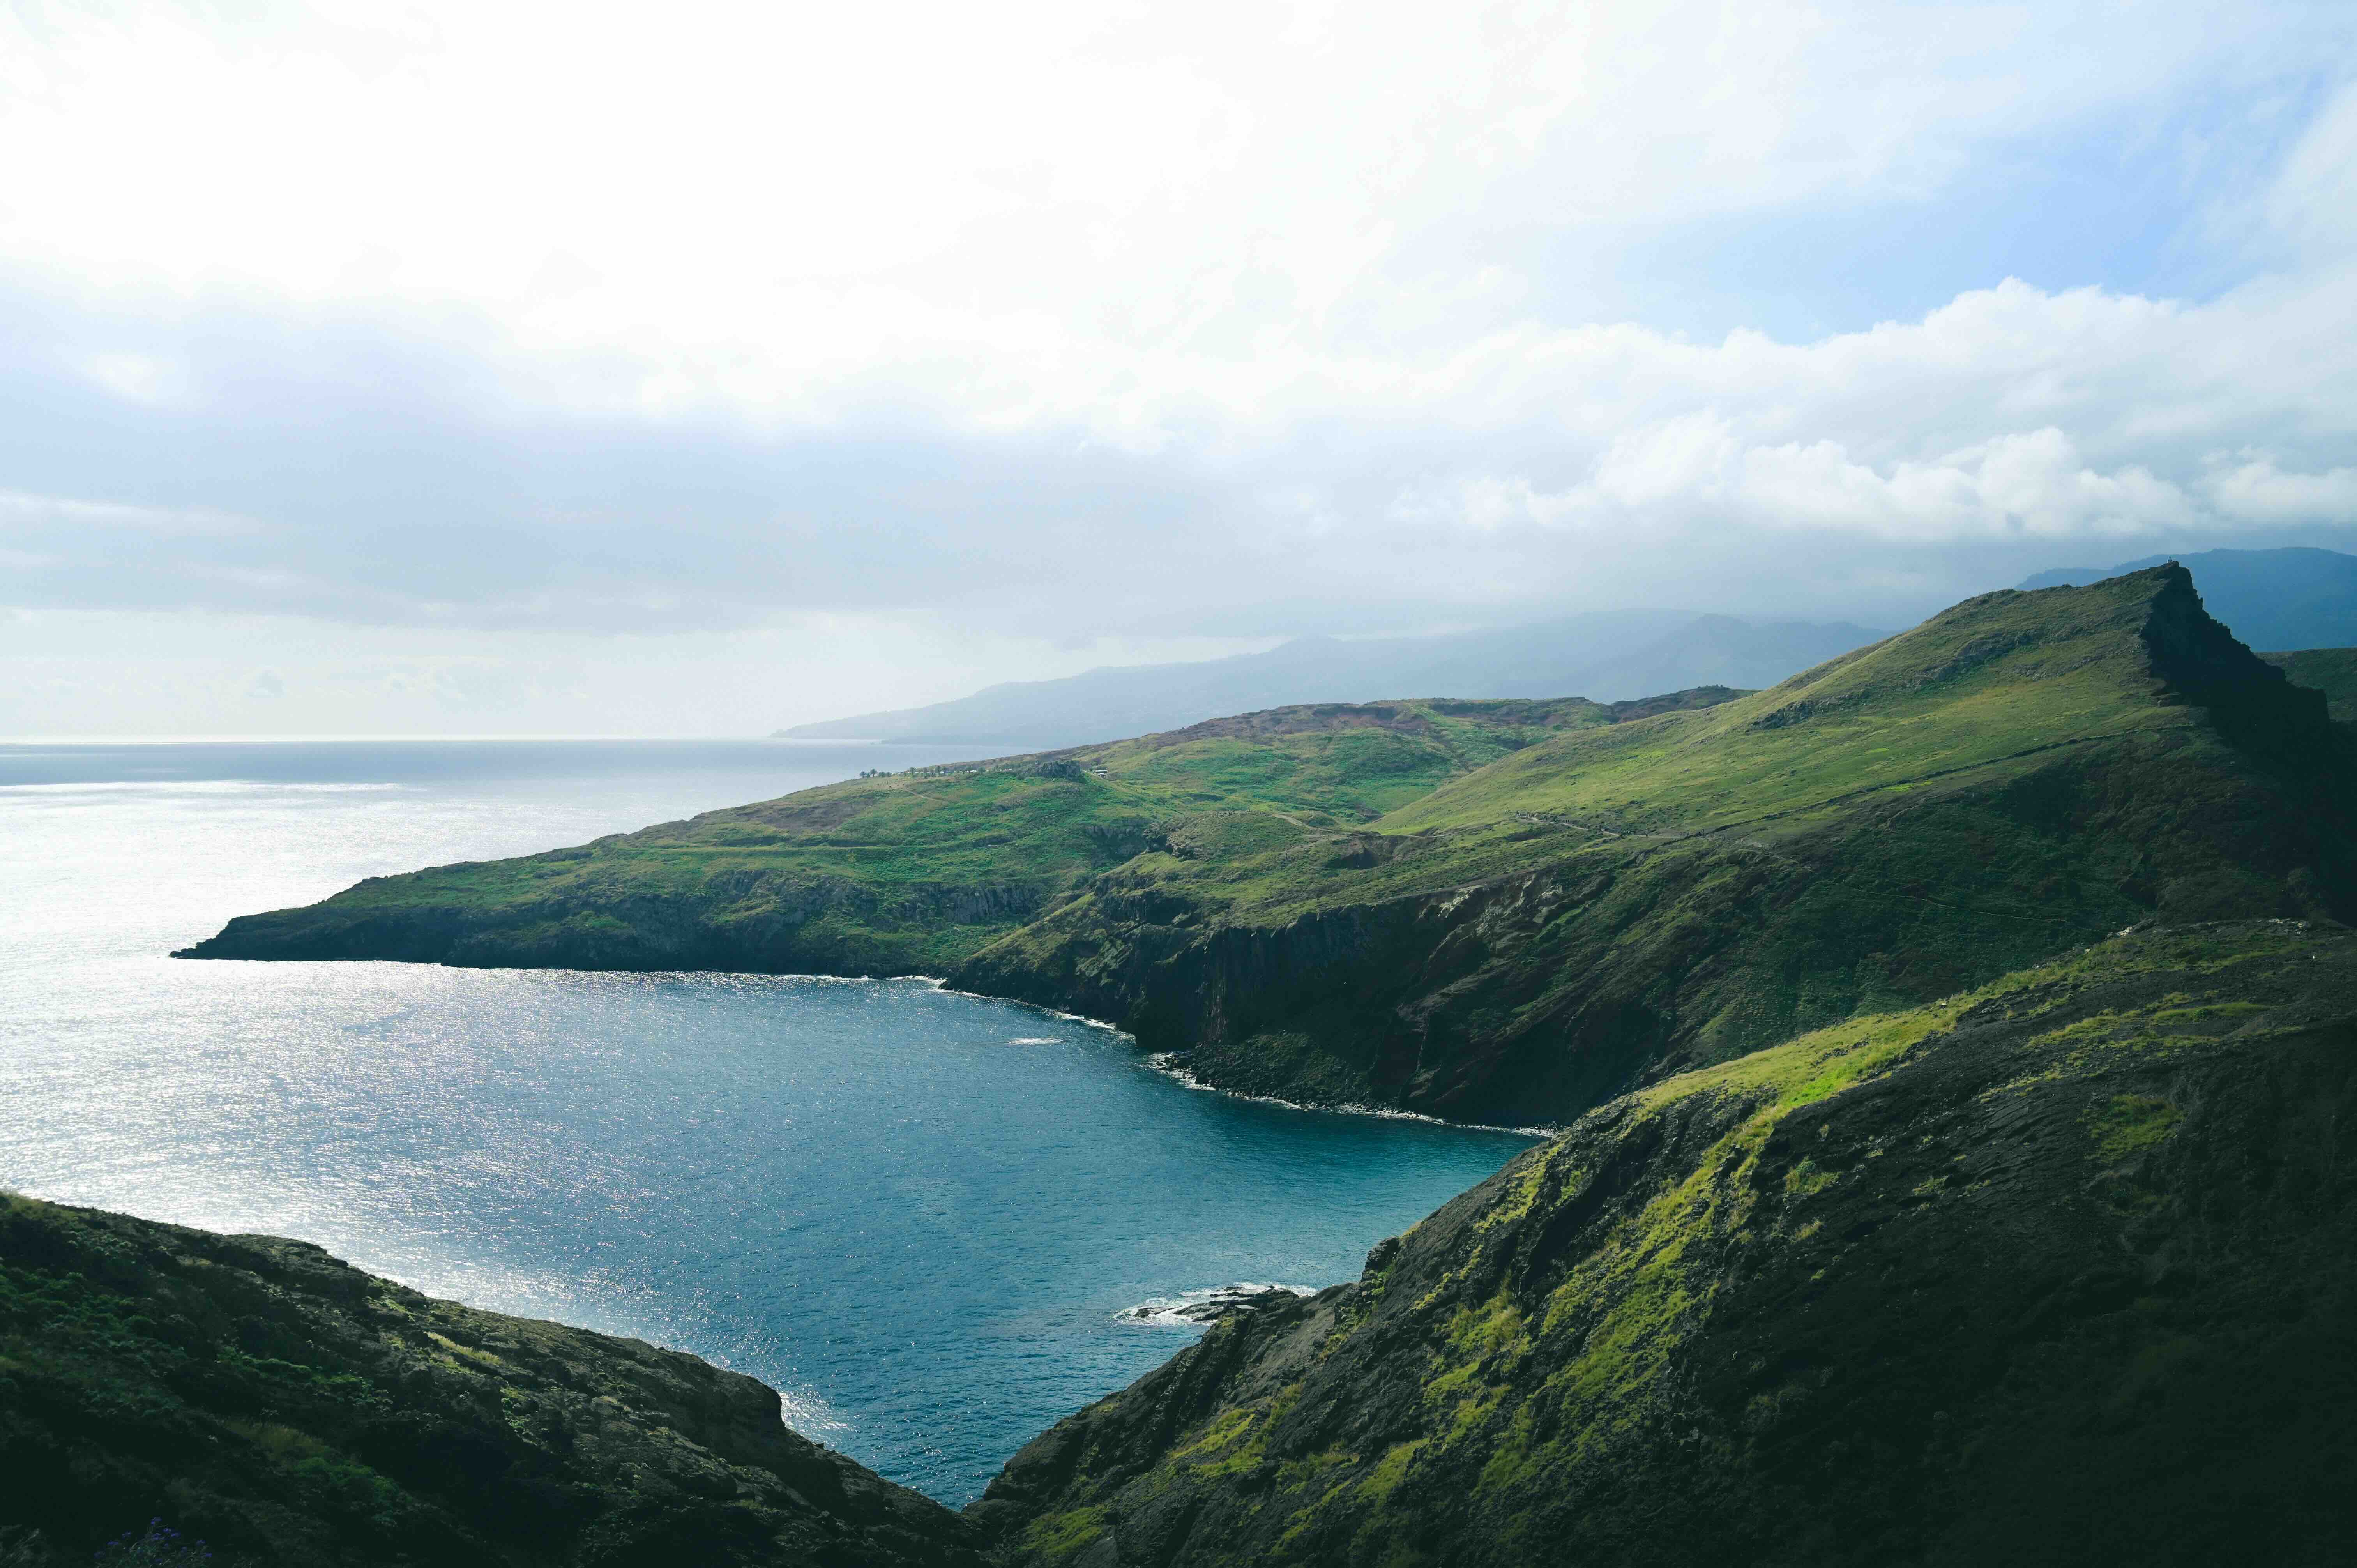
(922, 1217)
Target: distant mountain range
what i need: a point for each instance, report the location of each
(2274, 599)
(1608, 656)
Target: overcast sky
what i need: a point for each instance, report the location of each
(700, 369)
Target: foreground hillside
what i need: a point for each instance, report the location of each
(288, 1408)
(1498, 911)
(2062, 1270)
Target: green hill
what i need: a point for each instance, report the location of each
(1498, 911)
(2056, 1271)
(287, 1408)
(912, 872)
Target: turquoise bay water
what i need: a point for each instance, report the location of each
(917, 1214)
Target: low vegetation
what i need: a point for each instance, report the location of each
(913, 872)
(2052, 1271)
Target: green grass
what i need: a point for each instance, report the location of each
(1057, 1536)
(2128, 1124)
(913, 872)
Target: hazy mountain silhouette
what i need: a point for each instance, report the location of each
(1608, 656)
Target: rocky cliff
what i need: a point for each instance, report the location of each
(288, 1408)
(2061, 1269)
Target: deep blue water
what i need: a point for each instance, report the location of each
(917, 1214)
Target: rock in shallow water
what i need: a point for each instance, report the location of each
(1209, 1305)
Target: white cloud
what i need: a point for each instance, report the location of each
(2256, 490)
(1054, 212)
(1043, 325)
(133, 376)
(69, 515)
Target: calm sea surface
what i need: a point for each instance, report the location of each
(917, 1214)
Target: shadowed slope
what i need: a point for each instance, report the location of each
(289, 1409)
(2331, 671)
(2059, 1270)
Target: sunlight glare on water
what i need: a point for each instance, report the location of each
(917, 1214)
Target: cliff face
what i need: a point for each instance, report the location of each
(2063, 1269)
(287, 1408)
(1498, 911)
(2017, 775)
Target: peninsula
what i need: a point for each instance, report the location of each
(1498, 911)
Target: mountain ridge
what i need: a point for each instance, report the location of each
(1493, 911)
(2299, 597)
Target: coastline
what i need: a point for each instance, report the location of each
(1167, 1063)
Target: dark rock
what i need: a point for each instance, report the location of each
(1210, 1306)
(287, 1408)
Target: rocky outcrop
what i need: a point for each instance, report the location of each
(288, 1408)
(1211, 1305)
(2061, 1271)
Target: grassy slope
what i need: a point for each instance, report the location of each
(2331, 671)
(2058, 1270)
(288, 1408)
(1497, 910)
(913, 872)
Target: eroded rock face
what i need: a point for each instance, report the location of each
(289, 1409)
(2063, 1269)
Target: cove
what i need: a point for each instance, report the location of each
(920, 1216)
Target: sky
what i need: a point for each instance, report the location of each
(495, 368)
